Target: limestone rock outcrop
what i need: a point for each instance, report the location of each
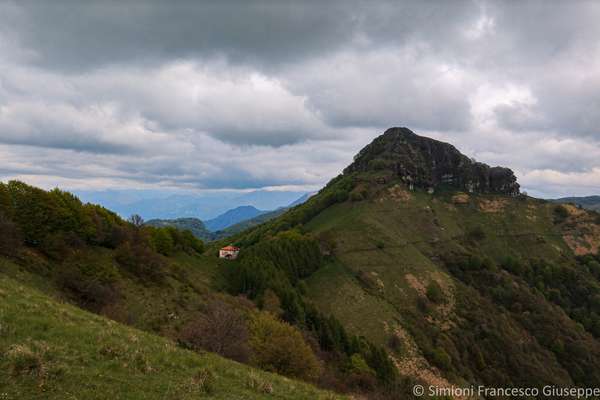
(427, 163)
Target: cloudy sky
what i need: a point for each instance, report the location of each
(277, 94)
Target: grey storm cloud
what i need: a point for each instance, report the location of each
(570, 106)
(247, 94)
(69, 34)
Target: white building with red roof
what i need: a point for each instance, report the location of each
(229, 252)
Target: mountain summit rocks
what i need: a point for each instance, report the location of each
(427, 163)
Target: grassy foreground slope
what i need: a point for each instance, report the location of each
(53, 350)
(162, 281)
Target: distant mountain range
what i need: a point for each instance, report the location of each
(229, 223)
(153, 204)
(232, 217)
(587, 202)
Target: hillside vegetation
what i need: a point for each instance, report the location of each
(53, 350)
(161, 280)
(460, 286)
(588, 202)
(416, 265)
(194, 225)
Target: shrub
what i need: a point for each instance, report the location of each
(88, 291)
(279, 347)
(271, 303)
(162, 241)
(396, 344)
(141, 261)
(220, 329)
(560, 214)
(190, 242)
(440, 358)
(435, 293)
(341, 196)
(359, 193)
(10, 236)
(379, 164)
(476, 234)
(359, 365)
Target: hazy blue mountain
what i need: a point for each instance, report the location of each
(156, 204)
(249, 223)
(232, 217)
(259, 219)
(589, 202)
(268, 200)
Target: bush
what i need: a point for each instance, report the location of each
(190, 242)
(279, 347)
(396, 344)
(55, 246)
(435, 293)
(162, 241)
(359, 193)
(560, 214)
(379, 164)
(270, 303)
(219, 329)
(359, 365)
(141, 261)
(440, 358)
(10, 236)
(476, 234)
(88, 291)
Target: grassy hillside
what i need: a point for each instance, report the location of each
(156, 279)
(393, 252)
(459, 288)
(53, 350)
(372, 285)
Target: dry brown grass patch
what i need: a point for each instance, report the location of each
(461, 198)
(493, 206)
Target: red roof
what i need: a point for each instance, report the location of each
(231, 248)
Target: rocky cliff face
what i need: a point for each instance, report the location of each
(427, 163)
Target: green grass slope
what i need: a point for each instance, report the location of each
(158, 308)
(459, 288)
(52, 350)
(164, 281)
(393, 250)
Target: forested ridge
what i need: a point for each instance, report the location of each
(92, 257)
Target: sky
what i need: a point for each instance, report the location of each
(220, 95)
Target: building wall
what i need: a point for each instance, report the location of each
(228, 254)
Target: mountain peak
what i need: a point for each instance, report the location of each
(428, 163)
